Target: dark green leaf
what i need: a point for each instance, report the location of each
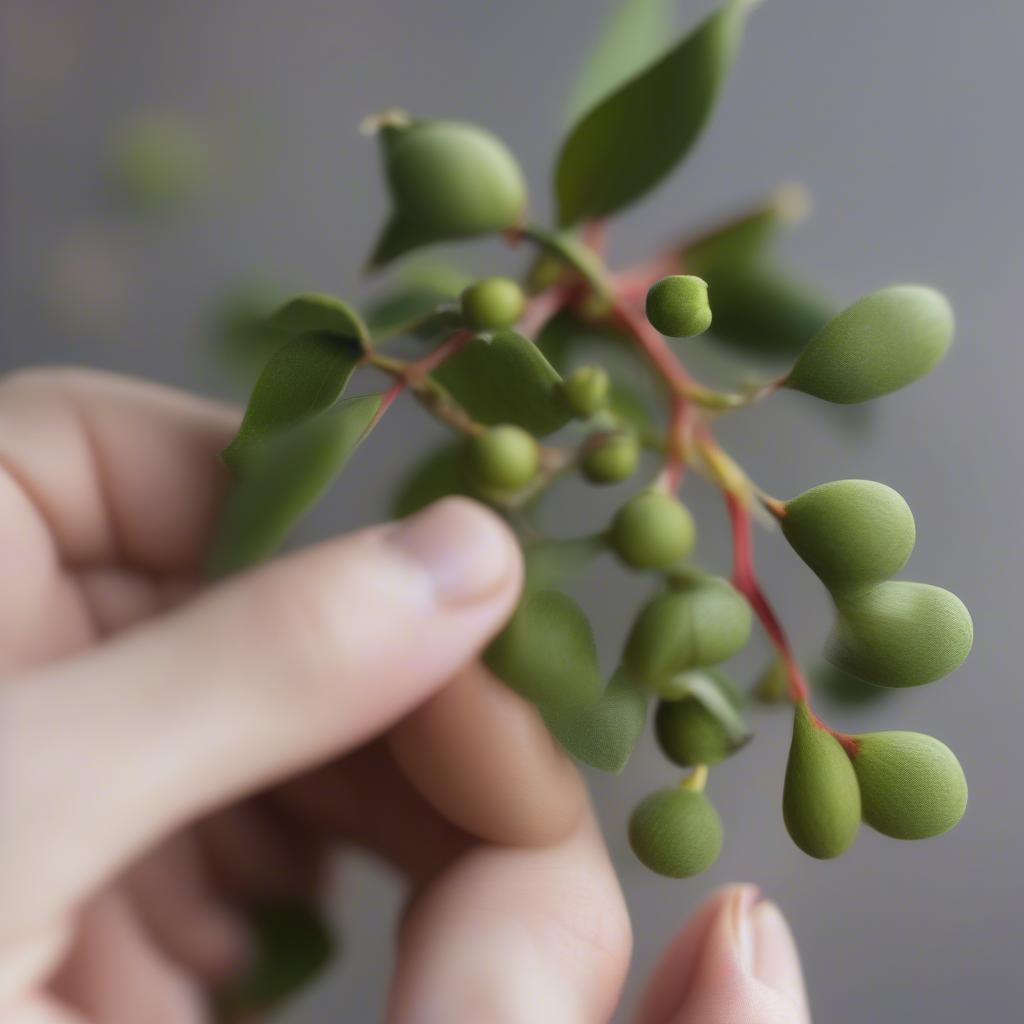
(292, 944)
(440, 474)
(281, 476)
(759, 308)
(422, 288)
(603, 734)
(720, 704)
(505, 379)
(631, 140)
(397, 238)
(303, 378)
(550, 563)
(546, 653)
(634, 34)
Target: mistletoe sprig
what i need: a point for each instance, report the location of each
(499, 363)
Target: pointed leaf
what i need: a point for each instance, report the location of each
(315, 311)
(305, 377)
(604, 734)
(397, 239)
(705, 688)
(505, 379)
(281, 476)
(546, 653)
(634, 34)
(422, 288)
(631, 140)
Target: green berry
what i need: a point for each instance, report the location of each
(821, 799)
(688, 733)
(586, 391)
(911, 785)
(612, 459)
(881, 343)
(504, 458)
(900, 633)
(850, 532)
(676, 832)
(492, 304)
(677, 306)
(689, 625)
(453, 180)
(652, 531)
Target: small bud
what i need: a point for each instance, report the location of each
(492, 304)
(586, 391)
(612, 460)
(677, 306)
(652, 531)
(504, 458)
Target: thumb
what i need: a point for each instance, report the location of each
(734, 963)
(256, 679)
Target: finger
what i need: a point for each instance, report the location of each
(38, 1010)
(190, 921)
(483, 757)
(118, 470)
(734, 963)
(255, 680)
(516, 935)
(115, 975)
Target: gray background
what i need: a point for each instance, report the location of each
(903, 119)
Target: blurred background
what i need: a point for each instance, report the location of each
(902, 120)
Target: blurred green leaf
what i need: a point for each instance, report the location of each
(635, 32)
(281, 475)
(550, 563)
(438, 475)
(239, 330)
(397, 238)
(632, 139)
(421, 288)
(304, 377)
(546, 653)
(292, 944)
(504, 378)
(603, 734)
(720, 698)
(763, 310)
(843, 688)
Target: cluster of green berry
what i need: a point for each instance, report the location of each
(498, 362)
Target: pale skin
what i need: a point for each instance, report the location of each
(170, 752)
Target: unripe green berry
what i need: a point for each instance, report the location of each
(612, 459)
(688, 733)
(652, 531)
(677, 306)
(821, 799)
(453, 179)
(492, 304)
(911, 785)
(850, 532)
(900, 633)
(586, 391)
(676, 832)
(504, 458)
(689, 625)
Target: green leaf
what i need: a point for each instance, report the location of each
(292, 944)
(315, 311)
(438, 475)
(280, 477)
(634, 34)
(761, 309)
(504, 378)
(635, 137)
(881, 343)
(238, 329)
(546, 653)
(397, 238)
(722, 706)
(414, 299)
(303, 378)
(603, 734)
(550, 563)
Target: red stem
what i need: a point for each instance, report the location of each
(745, 580)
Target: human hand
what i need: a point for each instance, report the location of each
(171, 754)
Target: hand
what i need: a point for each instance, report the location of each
(170, 754)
